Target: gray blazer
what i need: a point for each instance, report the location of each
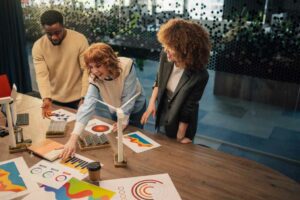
(183, 105)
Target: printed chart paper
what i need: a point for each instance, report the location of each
(63, 115)
(98, 127)
(15, 179)
(76, 189)
(139, 142)
(50, 174)
(76, 164)
(156, 187)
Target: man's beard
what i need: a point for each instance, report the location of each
(56, 43)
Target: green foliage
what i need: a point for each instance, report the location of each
(33, 28)
(253, 40)
(97, 24)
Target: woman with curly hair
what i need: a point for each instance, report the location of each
(181, 79)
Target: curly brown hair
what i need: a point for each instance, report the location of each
(102, 54)
(189, 40)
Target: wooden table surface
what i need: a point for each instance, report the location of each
(197, 172)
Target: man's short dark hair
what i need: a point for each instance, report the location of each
(51, 17)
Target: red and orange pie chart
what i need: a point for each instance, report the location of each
(100, 128)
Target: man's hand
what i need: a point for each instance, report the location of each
(47, 108)
(69, 148)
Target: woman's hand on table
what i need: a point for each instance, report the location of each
(69, 148)
(151, 110)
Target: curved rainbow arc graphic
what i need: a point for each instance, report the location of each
(142, 189)
(141, 142)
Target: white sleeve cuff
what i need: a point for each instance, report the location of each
(78, 128)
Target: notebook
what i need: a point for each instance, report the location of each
(47, 149)
(22, 119)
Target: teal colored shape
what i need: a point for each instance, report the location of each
(136, 136)
(14, 175)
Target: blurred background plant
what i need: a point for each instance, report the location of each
(253, 48)
(96, 23)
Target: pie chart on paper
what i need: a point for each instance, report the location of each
(100, 128)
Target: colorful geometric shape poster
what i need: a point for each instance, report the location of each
(98, 127)
(14, 179)
(139, 142)
(155, 187)
(76, 189)
(63, 115)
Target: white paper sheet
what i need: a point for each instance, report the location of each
(157, 187)
(139, 142)
(50, 174)
(98, 127)
(63, 115)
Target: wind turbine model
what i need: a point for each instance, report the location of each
(119, 159)
(10, 117)
(5, 101)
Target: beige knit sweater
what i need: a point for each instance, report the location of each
(111, 91)
(60, 71)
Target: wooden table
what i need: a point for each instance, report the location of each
(197, 172)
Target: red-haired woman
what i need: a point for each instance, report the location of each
(112, 80)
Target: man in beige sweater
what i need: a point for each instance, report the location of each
(57, 56)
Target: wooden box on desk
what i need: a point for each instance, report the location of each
(89, 141)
